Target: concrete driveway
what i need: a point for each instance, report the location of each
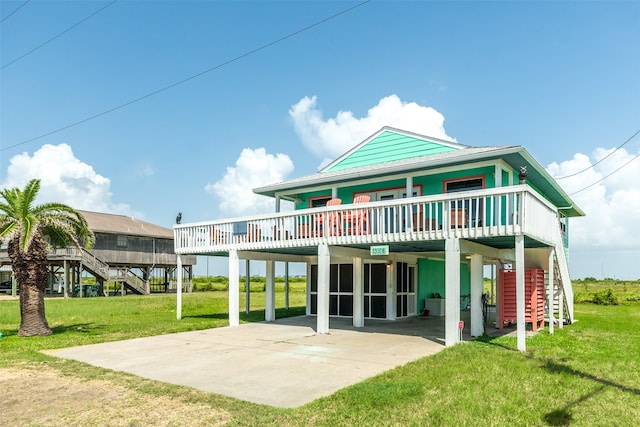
(282, 363)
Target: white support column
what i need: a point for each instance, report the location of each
(358, 292)
(520, 315)
(179, 287)
(234, 288)
(498, 298)
(392, 293)
(498, 176)
(334, 193)
(550, 292)
(286, 285)
(409, 189)
(324, 271)
(308, 291)
(247, 287)
(452, 291)
(477, 289)
(270, 292)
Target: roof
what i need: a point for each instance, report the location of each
(121, 224)
(515, 156)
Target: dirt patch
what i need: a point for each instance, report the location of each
(45, 397)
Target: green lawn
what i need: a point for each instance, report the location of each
(586, 374)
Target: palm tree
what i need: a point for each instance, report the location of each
(30, 229)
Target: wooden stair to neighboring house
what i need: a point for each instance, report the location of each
(130, 281)
(97, 267)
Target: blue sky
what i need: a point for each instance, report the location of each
(559, 78)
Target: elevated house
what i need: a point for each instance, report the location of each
(405, 222)
(134, 256)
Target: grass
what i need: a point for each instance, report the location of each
(586, 374)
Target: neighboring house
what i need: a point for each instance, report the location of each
(438, 213)
(136, 256)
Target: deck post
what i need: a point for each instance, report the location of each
(358, 292)
(550, 292)
(65, 264)
(179, 287)
(324, 271)
(247, 288)
(477, 289)
(391, 290)
(270, 292)
(234, 288)
(286, 285)
(520, 315)
(452, 291)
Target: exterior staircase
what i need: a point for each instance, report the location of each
(97, 267)
(130, 280)
(102, 270)
(563, 291)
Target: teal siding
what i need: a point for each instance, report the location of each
(390, 146)
(431, 184)
(431, 279)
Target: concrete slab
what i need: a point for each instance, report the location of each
(282, 363)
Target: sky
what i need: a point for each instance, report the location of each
(150, 108)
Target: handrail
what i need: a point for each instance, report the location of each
(470, 214)
(95, 264)
(130, 278)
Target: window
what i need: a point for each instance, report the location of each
(464, 185)
(122, 240)
(319, 202)
(469, 210)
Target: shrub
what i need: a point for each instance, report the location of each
(605, 298)
(633, 298)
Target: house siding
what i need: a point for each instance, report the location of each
(431, 279)
(390, 146)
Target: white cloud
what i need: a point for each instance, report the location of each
(612, 209)
(254, 168)
(64, 179)
(328, 139)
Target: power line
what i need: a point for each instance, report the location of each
(602, 179)
(602, 159)
(230, 61)
(58, 35)
(14, 11)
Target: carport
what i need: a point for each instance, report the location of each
(283, 363)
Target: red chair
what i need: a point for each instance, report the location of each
(334, 219)
(357, 221)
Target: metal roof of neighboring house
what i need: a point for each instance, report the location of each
(515, 156)
(121, 224)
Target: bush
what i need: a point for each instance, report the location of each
(633, 298)
(605, 298)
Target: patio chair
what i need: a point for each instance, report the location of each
(357, 221)
(458, 218)
(333, 218)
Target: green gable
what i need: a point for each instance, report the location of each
(388, 146)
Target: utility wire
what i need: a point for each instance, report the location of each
(230, 61)
(14, 11)
(602, 159)
(58, 35)
(602, 179)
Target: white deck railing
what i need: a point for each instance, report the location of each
(503, 211)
